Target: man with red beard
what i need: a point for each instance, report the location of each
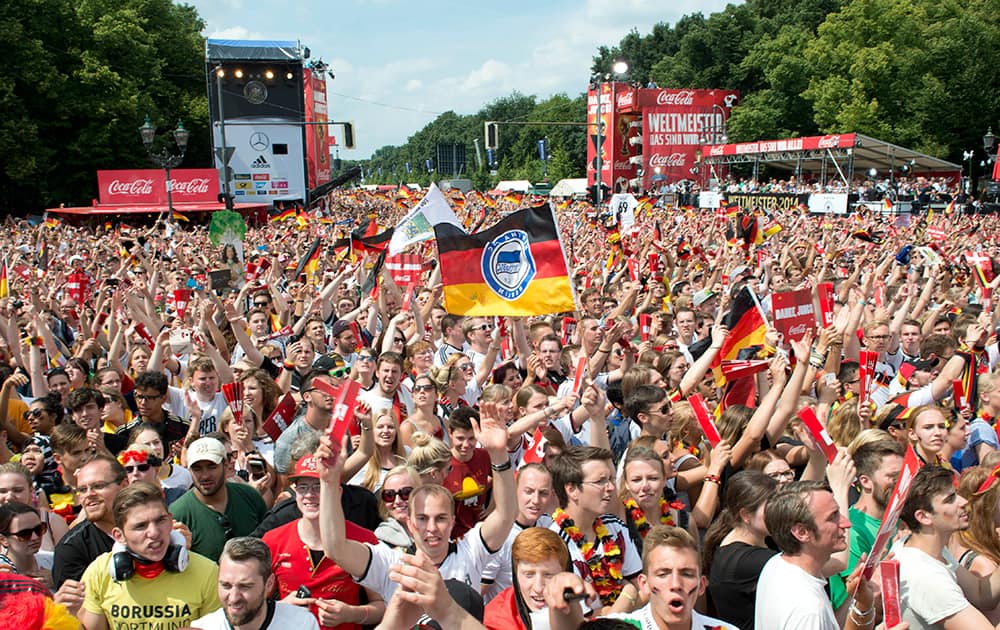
(216, 510)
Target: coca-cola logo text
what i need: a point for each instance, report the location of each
(190, 187)
(134, 187)
(682, 97)
(626, 99)
(623, 166)
(829, 142)
(670, 161)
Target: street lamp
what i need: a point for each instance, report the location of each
(164, 158)
(618, 68)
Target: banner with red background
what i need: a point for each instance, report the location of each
(149, 186)
(675, 124)
(317, 143)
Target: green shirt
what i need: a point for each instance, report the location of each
(210, 530)
(862, 538)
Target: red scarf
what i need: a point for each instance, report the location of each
(149, 570)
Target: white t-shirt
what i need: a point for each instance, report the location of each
(498, 573)
(377, 402)
(788, 598)
(211, 411)
(464, 562)
(928, 588)
(285, 616)
(643, 618)
(180, 477)
(618, 530)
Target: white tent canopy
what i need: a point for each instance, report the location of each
(569, 187)
(517, 185)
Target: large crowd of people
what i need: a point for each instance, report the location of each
(485, 480)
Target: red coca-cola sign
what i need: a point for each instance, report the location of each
(678, 97)
(676, 159)
(149, 186)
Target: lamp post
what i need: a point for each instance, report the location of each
(619, 68)
(164, 158)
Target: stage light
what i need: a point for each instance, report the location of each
(268, 74)
(220, 73)
(289, 75)
(238, 73)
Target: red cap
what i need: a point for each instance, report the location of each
(306, 467)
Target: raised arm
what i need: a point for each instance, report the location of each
(492, 435)
(351, 555)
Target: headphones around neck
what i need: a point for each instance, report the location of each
(121, 566)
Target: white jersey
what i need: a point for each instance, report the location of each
(465, 562)
(643, 619)
(285, 616)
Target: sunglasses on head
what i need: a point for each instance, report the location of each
(26, 534)
(390, 495)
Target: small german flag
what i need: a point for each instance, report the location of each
(950, 208)
(284, 216)
(177, 216)
(513, 197)
(746, 328)
(887, 204)
(516, 267)
(4, 282)
(51, 222)
(309, 263)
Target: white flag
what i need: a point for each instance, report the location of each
(418, 224)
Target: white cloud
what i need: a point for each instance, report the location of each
(236, 32)
(413, 85)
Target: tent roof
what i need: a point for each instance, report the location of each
(867, 153)
(246, 49)
(519, 185)
(569, 187)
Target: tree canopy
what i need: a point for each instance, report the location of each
(79, 78)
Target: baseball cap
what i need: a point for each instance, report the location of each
(466, 597)
(206, 449)
(306, 467)
(703, 296)
(338, 327)
(738, 272)
(329, 362)
(908, 367)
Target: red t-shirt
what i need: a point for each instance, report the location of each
(501, 613)
(470, 483)
(293, 567)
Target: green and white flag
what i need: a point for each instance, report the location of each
(418, 225)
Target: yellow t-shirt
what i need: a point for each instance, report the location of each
(171, 600)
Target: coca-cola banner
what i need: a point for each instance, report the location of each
(810, 143)
(675, 125)
(600, 106)
(149, 186)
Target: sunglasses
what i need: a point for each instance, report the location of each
(482, 327)
(389, 496)
(365, 357)
(34, 413)
(26, 534)
(227, 527)
(340, 372)
(423, 388)
(137, 468)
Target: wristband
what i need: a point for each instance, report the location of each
(501, 467)
(289, 365)
(713, 479)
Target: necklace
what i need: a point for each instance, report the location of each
(605, 568)
(639, 517)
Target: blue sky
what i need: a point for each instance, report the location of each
(397, 63)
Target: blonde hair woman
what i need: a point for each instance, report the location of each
(388, 454)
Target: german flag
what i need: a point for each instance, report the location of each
(969, 379)
(732, 209)
(51, 222)
(748, 229)
(513, 197)
(771, 227)
(4, 282)
(516, 267)
(359, 242)
(309, 263)
(284, 216)
(746, 328)
(950, 208)
(302, 220)
(177, 216)
(887, 204)
(565, 203)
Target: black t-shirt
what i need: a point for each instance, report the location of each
(732, 581)
(77, 549)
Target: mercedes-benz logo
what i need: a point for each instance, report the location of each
(259, 141)
(255, 92)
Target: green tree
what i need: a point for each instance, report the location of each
(79, 79)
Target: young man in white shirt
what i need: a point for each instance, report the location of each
(934, 590)
(807, 525)
(245, 580)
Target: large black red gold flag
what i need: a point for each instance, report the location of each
(746, 328)
(516, 267)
